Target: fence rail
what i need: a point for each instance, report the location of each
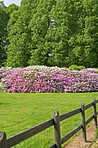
(19, 137)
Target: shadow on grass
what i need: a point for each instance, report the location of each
(4, 103)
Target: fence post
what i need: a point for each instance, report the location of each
(3, 142)
(95, 112)
(57, 129)
(83, 121)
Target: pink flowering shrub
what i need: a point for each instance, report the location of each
(43, 79)
(82, 81)
(18, 82)
(6, 71)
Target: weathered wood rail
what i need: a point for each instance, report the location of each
(19, 137)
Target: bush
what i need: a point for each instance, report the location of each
(73, 67)
(36, 82)
(42, 79)
(81, 67)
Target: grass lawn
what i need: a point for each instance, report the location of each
(22, 111)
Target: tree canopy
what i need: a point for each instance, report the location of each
(5, 13)
(53, 33)
(3, 32)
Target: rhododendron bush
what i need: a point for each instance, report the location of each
(43, 79)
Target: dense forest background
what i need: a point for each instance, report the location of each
(49, 32)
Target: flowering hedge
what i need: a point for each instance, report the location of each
(43, 79)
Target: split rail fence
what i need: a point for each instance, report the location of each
(19, 137)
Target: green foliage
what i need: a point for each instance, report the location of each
(97, 71)
(39, 24)
(11, 8)
(53, 33)
(64, 26)
(85, 43)
(2, 4)
(4, 19)
(81, 67)
(74, 67)
(3, 33)
(19, 37)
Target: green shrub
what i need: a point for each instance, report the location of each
(81, 67)
(73, 67)
(97, 72)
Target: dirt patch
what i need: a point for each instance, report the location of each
(78, 141)
(95, 145)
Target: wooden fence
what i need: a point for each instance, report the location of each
(17, 138)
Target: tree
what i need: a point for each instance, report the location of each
(39, 24)
(85, 44)
(53, 33)
(20, 35)
(3, 33)
(91, 33)
(11, 8)
(4, 18)
(65, 16)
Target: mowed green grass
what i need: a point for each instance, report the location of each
(19, 111)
